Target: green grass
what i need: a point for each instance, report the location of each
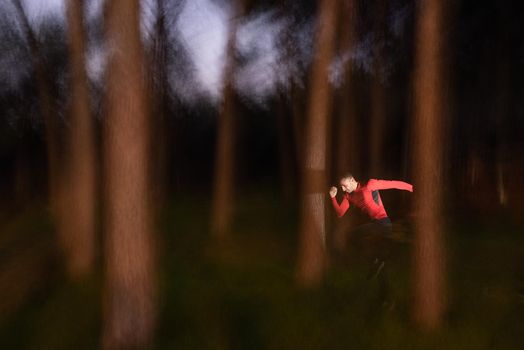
(241, 294)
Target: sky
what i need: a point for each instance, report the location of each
(200, 30)
(40, 11)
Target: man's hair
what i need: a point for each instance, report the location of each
(347, 176)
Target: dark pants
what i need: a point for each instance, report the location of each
(372, 242)
(372, 239)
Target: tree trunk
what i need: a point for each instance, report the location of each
(22, 184)
(158, 98)
(428, 162)
(345, 130)
(223, 191)
(47, 112)
(378, 96)
(502, 106)
(296, 98)
(312, 253)
(286, 158)
(81, 162)
(129, 313)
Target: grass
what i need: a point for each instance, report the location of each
(241, 294)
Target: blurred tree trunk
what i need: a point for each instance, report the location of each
(55, 176)
(296, 98)
(129, 313)
(223, 190)
(345, 142)
(312, 253)
(502, 104)
(378, 95)
(28, 272)
(46, 107)
(81, 160)
(297, 110)
(286, 156)
(22, 172)
(501, 122)
(158, 97)
(428, 164)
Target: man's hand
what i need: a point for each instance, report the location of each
(333, 191)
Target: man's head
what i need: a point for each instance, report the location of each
(348, 183)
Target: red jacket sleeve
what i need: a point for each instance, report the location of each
(342, 208)
(374, 184)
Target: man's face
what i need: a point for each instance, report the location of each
(348, 184)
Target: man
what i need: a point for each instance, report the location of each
(367, 198)
(371, 238)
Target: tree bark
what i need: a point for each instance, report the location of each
(286, 156)
(129, 312)
(47, 111)
(158, 97)
(429, 262)
(346, 129)
(502, 106)
(312, 252)
(378, 95)
(223, 190)
(81, 160)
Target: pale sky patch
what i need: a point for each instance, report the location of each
(204, 29)
(265, 70)
(40, 11)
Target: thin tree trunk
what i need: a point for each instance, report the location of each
(129, 313)
(57, 186)
(287, 161)
(428, 162)
(503, 82)
(297, 110)
(46, 110)
(22, 183)
(82, 203)
(378, 96)
(312, 253)
(158, 97)
(223, 191)
(346, 133)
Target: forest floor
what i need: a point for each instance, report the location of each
(241, 294)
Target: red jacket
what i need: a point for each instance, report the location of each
(367, 197)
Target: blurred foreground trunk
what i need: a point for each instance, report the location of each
(129, 309)
(312, 250)
(429, 284)
(80, 163)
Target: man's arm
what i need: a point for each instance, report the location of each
(374, 184)
(342, 208)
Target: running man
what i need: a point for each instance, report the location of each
(372, 238)
(367, 197)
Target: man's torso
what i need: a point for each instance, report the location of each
(368, 201)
